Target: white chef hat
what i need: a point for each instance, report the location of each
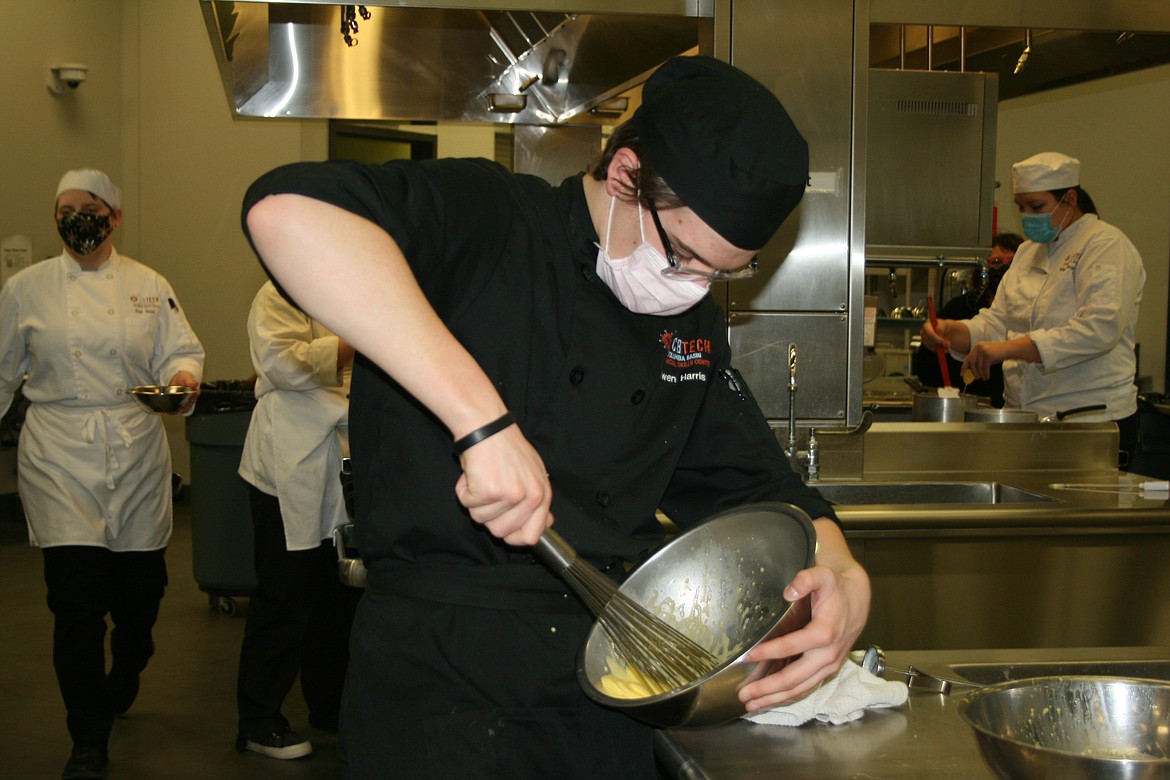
(1046, 171)
(91, 180)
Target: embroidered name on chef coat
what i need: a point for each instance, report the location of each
(1070, 262)
(687, 360)
(146, 304)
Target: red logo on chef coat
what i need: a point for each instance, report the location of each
(687, 360)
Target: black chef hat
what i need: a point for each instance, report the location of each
(724, 144)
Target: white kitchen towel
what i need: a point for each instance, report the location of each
(841, 698)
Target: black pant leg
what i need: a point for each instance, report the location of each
(278, 617)
(139, 580)
(326, 653)
(79, 596)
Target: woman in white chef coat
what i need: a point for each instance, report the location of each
(1063, 320)
(300, 613)
(94, 467)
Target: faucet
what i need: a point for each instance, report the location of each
(790, 450)
(814, 459)
(812, 464)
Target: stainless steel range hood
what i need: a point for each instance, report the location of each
(418, 61)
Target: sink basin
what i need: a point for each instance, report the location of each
(988, 674)
(927, 493)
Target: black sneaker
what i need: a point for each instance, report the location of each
(278, 744)
(123, 688)
(86, 763)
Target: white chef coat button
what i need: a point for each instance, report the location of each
(75, 312)
(110, 311)
(73, 277)
(77, 353)
(109, 276)
(113, 352)
(120, 391)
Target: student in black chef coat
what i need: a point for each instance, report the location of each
(542, 329)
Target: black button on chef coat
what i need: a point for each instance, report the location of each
(620, 405)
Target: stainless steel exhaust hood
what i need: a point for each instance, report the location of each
(416, 61)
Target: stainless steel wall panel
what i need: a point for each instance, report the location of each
(810, 55)
(803, 52)
(554, 153)
(760, 342)
(930, 175)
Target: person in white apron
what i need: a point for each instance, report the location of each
(1064, 319)
(94, 468)
(300, 614)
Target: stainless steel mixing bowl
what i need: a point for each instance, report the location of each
(1073, 727)
(162, 399)
(722, 584)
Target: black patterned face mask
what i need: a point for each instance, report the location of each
(83, 232)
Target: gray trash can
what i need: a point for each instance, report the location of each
(221, 514)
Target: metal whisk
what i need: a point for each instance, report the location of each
(640, 639)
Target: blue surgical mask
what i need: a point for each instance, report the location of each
(1039, 227)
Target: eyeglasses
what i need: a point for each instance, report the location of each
(677, 269)
(999, 259)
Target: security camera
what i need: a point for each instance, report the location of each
(70, 74)
(73, 75)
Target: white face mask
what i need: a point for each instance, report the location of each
(637, 280)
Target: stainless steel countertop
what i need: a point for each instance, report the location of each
(924, 738)
(1089, 509)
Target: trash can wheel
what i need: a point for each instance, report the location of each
(224, 605)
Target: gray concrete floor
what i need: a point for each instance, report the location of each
(183, 724)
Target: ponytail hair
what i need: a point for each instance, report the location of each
(1084, 202)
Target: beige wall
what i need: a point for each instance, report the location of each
(1116, 127)
(41, 134)
(153, 114)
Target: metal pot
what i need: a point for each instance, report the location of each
(1023, 416)
(931, 407)
(993, 415)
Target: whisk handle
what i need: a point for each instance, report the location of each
(554, 551)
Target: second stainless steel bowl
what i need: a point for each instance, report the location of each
(162, 399)
(1073, 727)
